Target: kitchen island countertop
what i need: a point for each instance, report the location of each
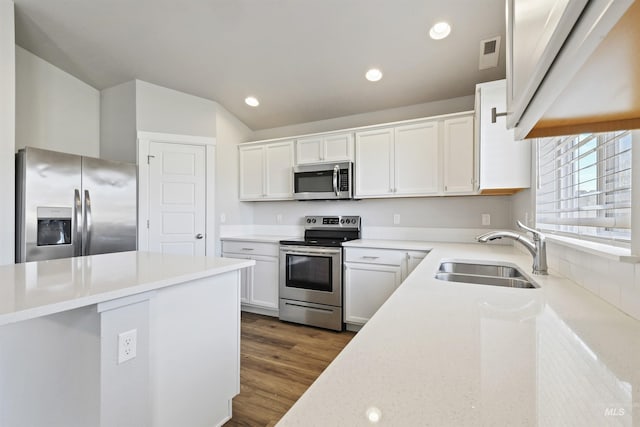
(453, 354)
(35, 289)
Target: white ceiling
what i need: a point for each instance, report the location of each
(303, 59)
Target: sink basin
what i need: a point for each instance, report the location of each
(492, 274)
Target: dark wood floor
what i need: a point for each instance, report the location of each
(279, 361)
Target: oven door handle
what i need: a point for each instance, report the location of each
(290, 250)
(336, 174)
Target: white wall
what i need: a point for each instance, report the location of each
(417, 111)
(7, 132)
(55, 110)
(118, 123)
(230, 132)
(159, 109)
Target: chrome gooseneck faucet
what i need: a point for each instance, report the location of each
(536, 245)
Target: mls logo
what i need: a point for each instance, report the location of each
(614, 412)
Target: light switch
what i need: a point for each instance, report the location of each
(486, 219)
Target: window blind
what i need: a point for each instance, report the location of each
(584, 186)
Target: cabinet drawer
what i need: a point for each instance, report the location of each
(375, 256)
(250, 248)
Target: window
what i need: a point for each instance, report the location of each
(584, 186)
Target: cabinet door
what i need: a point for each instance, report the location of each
(245, 276)
(374, 157)
(338, 148)
(504, 162)
(279, 170)
(366, 288)
(309, 150)
(458, 158)
(263, 286)
(413, 259)
(252, 173)
(536, 32)
(416, 159)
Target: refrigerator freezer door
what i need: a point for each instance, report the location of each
(109, 204)
(47, 217)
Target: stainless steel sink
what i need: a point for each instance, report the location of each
(492, 274)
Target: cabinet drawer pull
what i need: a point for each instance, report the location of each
(248, 249)
(370, 257)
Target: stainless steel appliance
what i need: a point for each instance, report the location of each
(68, 205)
(311, 271)
(327, 181)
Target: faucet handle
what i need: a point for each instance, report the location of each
(536, 233)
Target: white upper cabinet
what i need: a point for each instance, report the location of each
(374, 160)
(408, 160)
(416, 157)
(564, 33)
(252, 172)
(325, 148)
(504, 163)
(266, 171)
(458, 159)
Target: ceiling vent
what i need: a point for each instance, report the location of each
(489, 52)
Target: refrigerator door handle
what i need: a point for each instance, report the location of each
(87, 222)
(77, 213)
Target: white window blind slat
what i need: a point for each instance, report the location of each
(584, 186)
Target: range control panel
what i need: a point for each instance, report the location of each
(332, 222)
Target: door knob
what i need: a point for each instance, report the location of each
(199, 236)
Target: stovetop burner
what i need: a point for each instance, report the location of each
(329, 231)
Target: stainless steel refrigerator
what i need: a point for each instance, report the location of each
(68, 205)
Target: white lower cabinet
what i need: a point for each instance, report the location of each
(259, 284)
(366, 288)
(371, 276)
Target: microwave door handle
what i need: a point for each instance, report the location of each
(77, 213)
(336, 174)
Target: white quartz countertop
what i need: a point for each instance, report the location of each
(35, 289)
(452, 354)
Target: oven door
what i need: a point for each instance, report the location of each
(311, 274)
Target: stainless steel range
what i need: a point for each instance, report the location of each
(311, 271)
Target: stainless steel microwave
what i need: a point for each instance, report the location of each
(327, 181)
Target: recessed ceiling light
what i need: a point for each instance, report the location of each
(373, 75)
(251, 101)
(440, 30)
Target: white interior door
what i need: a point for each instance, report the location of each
(177, 198)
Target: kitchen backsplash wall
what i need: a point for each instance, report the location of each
(616, 282)
(428, 212)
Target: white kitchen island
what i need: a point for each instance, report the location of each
(440, 353)
(60, 323)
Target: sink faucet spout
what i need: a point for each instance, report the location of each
(536, 245)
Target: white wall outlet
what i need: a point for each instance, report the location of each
(486, 219)
(396, 219)
(279, 219)
(127, 343)
(223, 218)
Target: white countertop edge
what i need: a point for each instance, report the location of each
(83, 301)
(409, 245)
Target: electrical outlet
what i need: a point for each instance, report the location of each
(396, 219)
(279, 219)
(127, 343)
(223, 218)
(486, 219)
